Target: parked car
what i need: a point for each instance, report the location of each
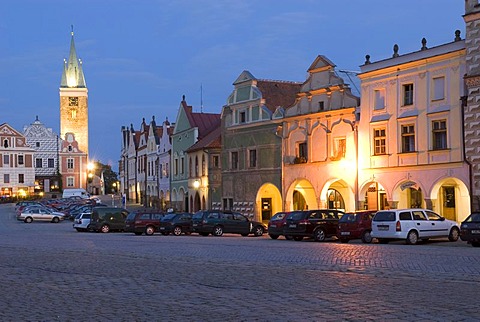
(318, 224)
(412, 225)
(176, 224)
(276, 225)
(470, 229)
(36, 213)
(106, 219)
(356, 225)
(143, 222)
(218, 222)
(82, 221)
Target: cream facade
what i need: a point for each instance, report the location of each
(410, 135)
(319, 143)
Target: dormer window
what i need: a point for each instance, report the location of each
(243, 117)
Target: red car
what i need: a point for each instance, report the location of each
(356, 225)
(277, 223)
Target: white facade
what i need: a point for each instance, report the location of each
(410, 135)
(164, 165)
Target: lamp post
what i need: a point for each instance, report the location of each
(90, 167)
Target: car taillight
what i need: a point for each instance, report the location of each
(398, 226)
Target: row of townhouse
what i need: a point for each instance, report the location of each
(412, 140)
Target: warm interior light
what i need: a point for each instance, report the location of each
(196, 184)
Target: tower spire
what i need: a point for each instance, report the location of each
(73, 74)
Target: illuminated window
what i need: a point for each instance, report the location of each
(408, 138)
(74, 113)
(439, 134)
(380, 138)
(340, 148)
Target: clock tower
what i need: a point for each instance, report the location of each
(74, 100)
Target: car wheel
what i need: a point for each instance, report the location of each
(258, 231)
(177, 231)
(454, 234)
(288, 237)
(55, 220)
(298, 238)
(319, 235)
(28, 220)
(105, 229)
(412, 237)
(344, 240)
(475, 244)
(137, 233)
(367, 237)
(150, 230)
(218, 231)
(273, 236)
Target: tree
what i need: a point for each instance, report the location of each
(109, 176)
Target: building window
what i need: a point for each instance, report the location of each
(166, 170)
(407, 94)
(243, 117)
(227, 203)
(161, 171)
(70, 181)
(5, 143)
(196, 166)
(380, 138)
(6, 159)
(216, 161)
(21, 178)
(20, 160)
(340, 148)
(6, 178)
(438, 88)
(176, 167)
(321, 106)
(379, 99)
(69, 163)
(302, 152)
(252, 158)
(182, 165)
(38, 163)
(234, 160)
(37, 144)
(408, 138)
(439, 134)
(203, 165)
(51, 163)
(190, 167)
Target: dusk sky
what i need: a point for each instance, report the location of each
(139, 57)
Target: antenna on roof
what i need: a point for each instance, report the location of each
(201, 98)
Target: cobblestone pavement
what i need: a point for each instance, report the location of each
(50, 272)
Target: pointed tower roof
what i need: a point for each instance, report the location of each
(72, 70)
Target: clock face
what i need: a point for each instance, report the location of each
(73, 101)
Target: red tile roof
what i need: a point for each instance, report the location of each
(205, 122)
(211, 140)
(278, 93)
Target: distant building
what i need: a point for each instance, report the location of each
(163, 163)
(72, 163)
(74, 114)
(17, 173)
(46, 144)
(190, 127)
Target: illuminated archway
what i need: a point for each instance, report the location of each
(373, 196)
(300, 195)
(451, 199)
(268, 202)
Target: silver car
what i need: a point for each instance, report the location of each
(82, 221)
(40, 214)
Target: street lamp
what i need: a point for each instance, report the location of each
(90, 167)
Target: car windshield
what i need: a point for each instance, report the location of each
(384, 216)
(475, 217)
(348, 218)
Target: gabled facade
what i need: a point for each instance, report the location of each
(73, 163)
(411, 148)
(17, 174)
(190, 127)
(164, 161)
(319, 142)
(251, 151)
(46, 144)
(142, 153)
(153, 142)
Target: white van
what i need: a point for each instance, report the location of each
(82, 193)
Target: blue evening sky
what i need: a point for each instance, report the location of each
(139, 57)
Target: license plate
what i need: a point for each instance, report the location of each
(382, 227)
(195, 225)
(475, 231)
(345, 233)
(293, 226)
(273, 226)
